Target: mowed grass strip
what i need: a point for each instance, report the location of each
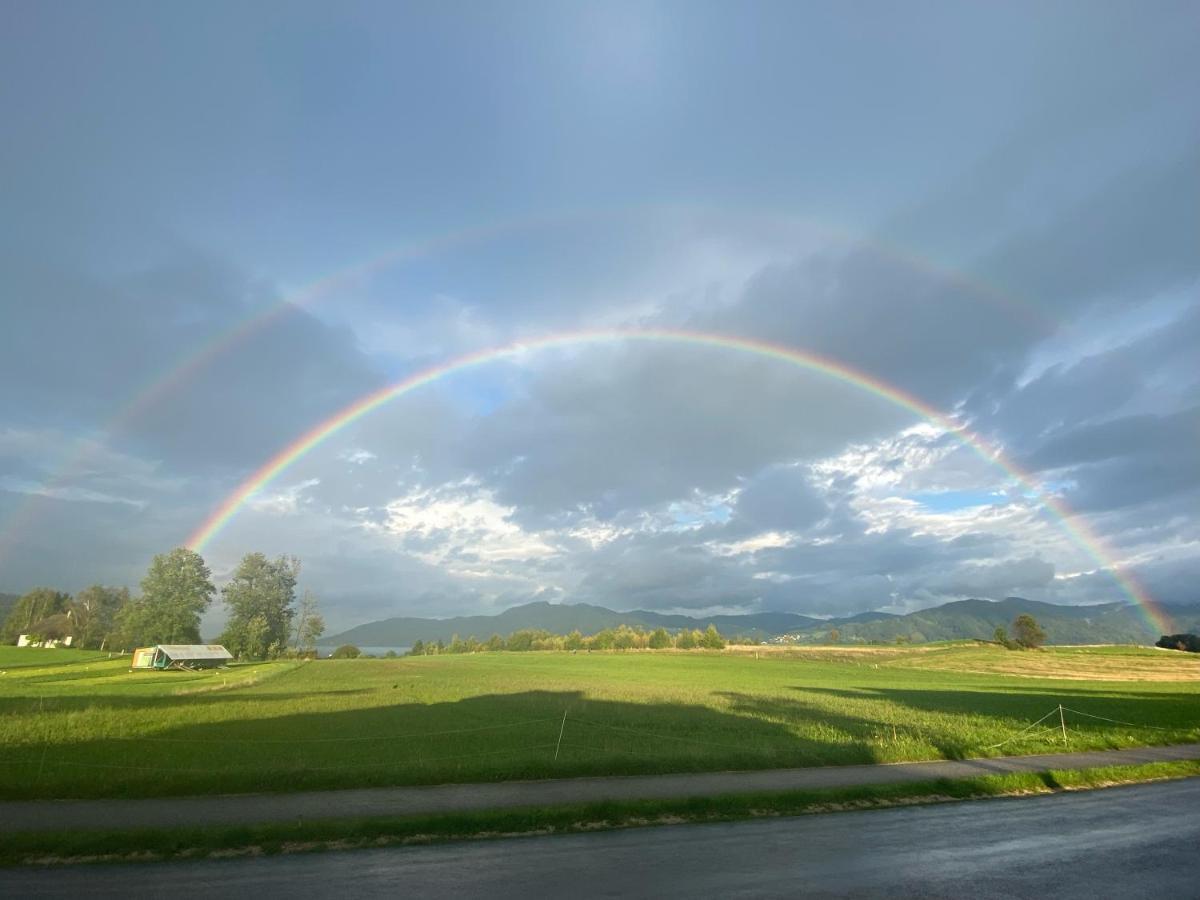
(84, 726)
(148, 845)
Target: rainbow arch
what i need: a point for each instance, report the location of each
(1074, 527)
(207, 353)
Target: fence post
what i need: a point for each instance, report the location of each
(1062, 720)
(561, 728)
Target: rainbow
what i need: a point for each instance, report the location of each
(209, 352)
(1078, 530)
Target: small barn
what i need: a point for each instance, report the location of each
(181, 656)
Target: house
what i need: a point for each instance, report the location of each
(180, 656)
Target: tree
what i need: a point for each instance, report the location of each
(659, 639)
(520, 640)
(495, 643)
(685, 640)
(1027, 632)
(834, 635)
(624, 638)
(574, 641)
(309, 624)
(1189, 643)
(175, 592)
(417, 649)
(33, 607)
(94, 613)
(52, 628)
(260, 599)
(605, 639)
(712, 640)
(346, 651)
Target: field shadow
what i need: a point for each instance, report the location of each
(1154, 708)
(25, 702)
(480, 738)
(1154, 716)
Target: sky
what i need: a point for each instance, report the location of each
(223, 223)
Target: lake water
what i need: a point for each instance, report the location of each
(373, 651)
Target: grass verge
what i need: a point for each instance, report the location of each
(137, 845)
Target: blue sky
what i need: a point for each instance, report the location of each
(989, 206)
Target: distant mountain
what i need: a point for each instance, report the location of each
(757, 625)
(863, 617)
(559, 618)
(1110, 623)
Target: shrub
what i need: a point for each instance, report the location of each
(346, 651)
(1189, 643)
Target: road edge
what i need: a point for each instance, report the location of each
(55, 848)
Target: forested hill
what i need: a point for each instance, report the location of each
(559, 619)
(1107, 623)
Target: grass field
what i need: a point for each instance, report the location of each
(75, 724)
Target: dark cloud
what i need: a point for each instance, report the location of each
(622, 428)
(1029, 267)
(782, 499)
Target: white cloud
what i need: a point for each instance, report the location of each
(460, 527)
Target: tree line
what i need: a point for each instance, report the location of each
(265, 618)
(623, 637)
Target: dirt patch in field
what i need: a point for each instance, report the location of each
(1081, 668)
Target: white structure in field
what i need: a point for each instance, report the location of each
(26, 640)
(180, 656)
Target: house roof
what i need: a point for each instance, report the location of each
(195, 651)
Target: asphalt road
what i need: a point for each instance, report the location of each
(1137, 841)
(244, 809)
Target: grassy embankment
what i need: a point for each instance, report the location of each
(147, 845)
(75, 724)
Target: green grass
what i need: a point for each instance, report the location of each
(144, 845)
(76, 724)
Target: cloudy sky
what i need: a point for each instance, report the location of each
(222, 223)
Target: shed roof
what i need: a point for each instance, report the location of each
(195, 651)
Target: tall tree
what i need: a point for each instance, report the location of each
(33, 607)
(176, 591)
(94, 614)
(1027, 632)
(260, 600)
(309, 623)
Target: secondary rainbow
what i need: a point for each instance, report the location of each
(207, 353)
(1075, 527)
